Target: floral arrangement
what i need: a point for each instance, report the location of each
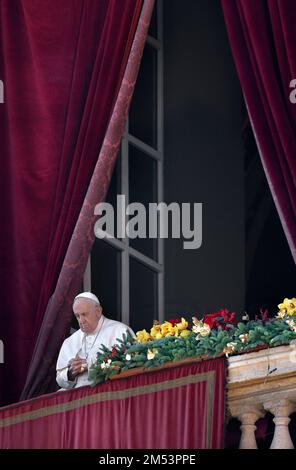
(177, 328)
(217, 334)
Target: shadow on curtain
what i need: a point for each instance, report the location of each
(57, 317)
(263, 41)
(62, 65)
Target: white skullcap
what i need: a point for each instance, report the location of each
(88, 295)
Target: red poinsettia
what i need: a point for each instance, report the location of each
(113, 352)
(263, 315)
(174, 321)
(111, 355)
(220, 318)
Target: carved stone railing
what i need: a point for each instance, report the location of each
(259, 382)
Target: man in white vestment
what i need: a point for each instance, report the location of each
(79, 351)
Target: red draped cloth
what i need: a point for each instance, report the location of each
(176, 408)
(58, 314)
(263, 41)
(62, 64)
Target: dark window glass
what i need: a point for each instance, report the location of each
(143, 112)
(105, 277)
(143, 189)
(143, 296)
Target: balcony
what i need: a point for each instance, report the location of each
(261, 382)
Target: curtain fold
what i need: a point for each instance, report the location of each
(178, 408)
(57, 317)
(263, 41)
(62, 64)
(86, 124)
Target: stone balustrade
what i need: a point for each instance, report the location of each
(259, 382)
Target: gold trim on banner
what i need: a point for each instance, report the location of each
(209, 377)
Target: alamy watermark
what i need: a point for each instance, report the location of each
(132, 221)
(1, 92)
(1, 352)
(292, 96)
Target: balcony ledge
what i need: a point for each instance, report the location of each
(263, 381)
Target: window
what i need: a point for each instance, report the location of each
(128, 274)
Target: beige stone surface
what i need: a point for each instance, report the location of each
(259, 382)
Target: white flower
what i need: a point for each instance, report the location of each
(151, 353)
(244, 338)
(229, 348)
(201, 328)
(128, 357)
(291, 324)
(106, 365)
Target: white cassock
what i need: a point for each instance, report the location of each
(86, 346)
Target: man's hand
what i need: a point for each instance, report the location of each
(76, 367)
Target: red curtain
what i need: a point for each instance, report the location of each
(57, 317)
(61, 64)
(263, 42)
(178, 408)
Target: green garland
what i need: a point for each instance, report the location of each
(129, 353)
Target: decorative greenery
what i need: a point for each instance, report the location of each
(216, 335)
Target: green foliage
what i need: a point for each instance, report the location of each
(129, 354)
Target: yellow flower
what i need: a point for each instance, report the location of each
(158, 336)
(143, 336)
(182, 325)
(155, 331)
(166, 328)
(287, 308)
(185, 333)
(281, 314)
(151, 353)
(169, 330)
(174, 331)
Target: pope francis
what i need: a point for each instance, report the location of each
(79, 351)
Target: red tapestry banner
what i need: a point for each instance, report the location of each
(175, 408)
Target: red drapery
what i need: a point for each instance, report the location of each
(57, 317)
(177, 408)
(61, 64)
(263, 42)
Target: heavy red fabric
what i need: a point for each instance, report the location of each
(263, 41)
(57, 317)
(178, 408)
(61, 65)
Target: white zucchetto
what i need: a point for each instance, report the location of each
(87, 295)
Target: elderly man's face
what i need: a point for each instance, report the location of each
(87, 314)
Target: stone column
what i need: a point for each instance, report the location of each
(281, 409)
(248, 415)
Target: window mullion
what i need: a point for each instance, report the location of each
(160, 148)
(125, 282)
